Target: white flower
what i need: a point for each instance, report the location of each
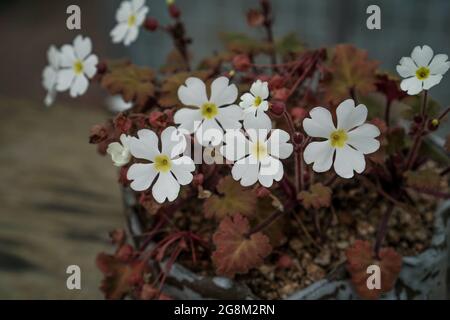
(117, 104)
(168, 167)
(50, 75)
(421, 70)
(120, 152)
(257, 157)
(130, 16)
(77, 66)
(351, 140)
(255, 106)
(209, 117)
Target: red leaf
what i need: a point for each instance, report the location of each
(122, 272)
(235, 252)
(360, 256)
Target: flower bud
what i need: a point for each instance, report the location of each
(151, 24)
(277, 107)
(433, 124)
(241, 62)
(198, 180)
(417, 119)
(298, 138)
(102, 67)
(174, 11)
(276, 82)
(281, 94)
(298, 114)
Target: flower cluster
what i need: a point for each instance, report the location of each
(70, 68)
(253, 147)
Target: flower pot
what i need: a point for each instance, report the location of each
(422, 277)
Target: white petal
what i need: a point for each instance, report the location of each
(363, 138)
(236, 145)
(140, 17)
(278, 144)
(246, 170)
(188, 119)
(431, 81)
(165, 187)
(229, 117)
(349, 117)
(50, 97)
(247, 100)
(260, 89)
(137, 4)
(439, 64)
(131, 36)
(67, 57)
(259, 120)
(412, 85)
(182, 168)
(83, 47)
(407, 68)
(422, 56)
(141, 175)
(65, 79)
(119, 32)
(209, 132)
(320, 125)
(264, 106)
(90, 66)
(271, 169)
(124, 12)
(173, 142)
(49, 78)
(321, 153)
(146, 146)
(79, 86)
(193, 93)
(223, 94)
(347, 160)
(53, 57)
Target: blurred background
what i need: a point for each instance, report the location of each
(58, 198)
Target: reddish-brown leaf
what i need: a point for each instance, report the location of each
(132, 82)
(232, 199)
(318, 196)
(122, 272)
(360, 256)
(350, 70)
(235, 252)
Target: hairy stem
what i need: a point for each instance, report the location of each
(382, 229)
(268, 22)
(419, 135)
(267, 222)
(387, 113)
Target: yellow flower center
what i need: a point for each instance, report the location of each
(338, 138)
(257, 101)
(209, 110)
(162, 163)
(78, 67)
(259, 151)
(422, 73)
(131, 20)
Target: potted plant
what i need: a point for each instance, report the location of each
(286, 177)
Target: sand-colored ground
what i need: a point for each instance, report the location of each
(58, 200)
